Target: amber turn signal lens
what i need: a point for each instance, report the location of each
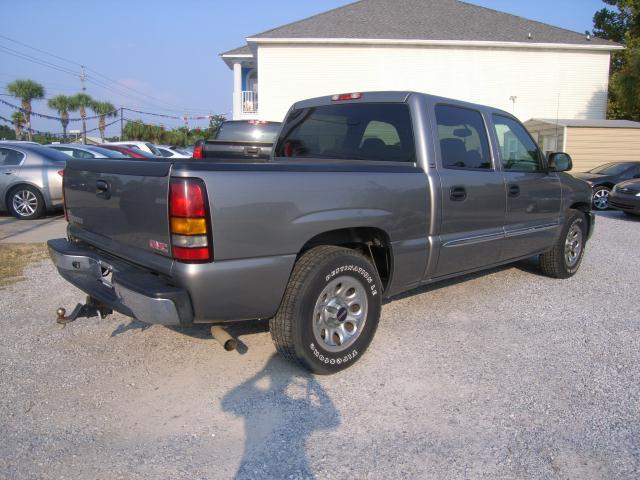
(188, 226)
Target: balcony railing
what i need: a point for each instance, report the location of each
(249, 102)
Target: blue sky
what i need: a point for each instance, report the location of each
(167, 51)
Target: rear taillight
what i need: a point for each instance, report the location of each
(188, 220)
(64, 201)
(198, 152)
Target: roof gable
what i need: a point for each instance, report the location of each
(425, 20)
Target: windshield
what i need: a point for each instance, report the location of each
(248, 132)
(611, 168)
(108, 152)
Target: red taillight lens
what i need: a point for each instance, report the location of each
(191, 254)
(346, 96)
(61, 173)
(188, 220)
(186, 198)
(198, 152)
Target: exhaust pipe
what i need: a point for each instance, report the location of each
(223, 338)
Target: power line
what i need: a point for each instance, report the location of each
(95, 72)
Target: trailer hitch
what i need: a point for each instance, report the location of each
(92, 308)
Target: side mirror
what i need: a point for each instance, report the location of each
(559, 162)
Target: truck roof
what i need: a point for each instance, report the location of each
(390, 96)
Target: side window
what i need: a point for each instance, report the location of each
(367, 131)
(10, 158)
(518, 150)
(463, 138)
(81, 154)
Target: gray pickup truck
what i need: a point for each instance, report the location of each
(367, 195)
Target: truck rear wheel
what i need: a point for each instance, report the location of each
(330, 310)
(564, 259)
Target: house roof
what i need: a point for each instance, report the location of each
(437, 20)
(240, 51)
(588, 123)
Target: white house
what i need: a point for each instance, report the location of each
(442, 47)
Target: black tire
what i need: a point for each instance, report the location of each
(25, 202)
(297, 330)
(600, 198)
(559, 263)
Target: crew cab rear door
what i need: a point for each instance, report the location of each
(533, 195)
(472, 191)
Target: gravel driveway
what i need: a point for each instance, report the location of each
(507, 374)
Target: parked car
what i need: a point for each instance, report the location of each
(30, 179)
(144, 146)
(366, 196)
(625, 196)
(86, 151)
(128, 151)
(169, 152)
(249, 140)
(602, 179)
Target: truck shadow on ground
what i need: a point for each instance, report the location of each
(282, 407)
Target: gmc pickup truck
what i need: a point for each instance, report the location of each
(249, 140)
(366, 195)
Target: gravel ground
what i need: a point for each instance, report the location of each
(507, 374)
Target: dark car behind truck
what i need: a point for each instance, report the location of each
(365, 196)
(239, 140)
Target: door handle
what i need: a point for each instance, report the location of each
(102, 189)
(252, 151)
(514, 190)
(9, 172)
(458, 194)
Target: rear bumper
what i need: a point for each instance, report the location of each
(127, 289)
(625, 202)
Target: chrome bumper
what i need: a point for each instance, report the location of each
(127, 289)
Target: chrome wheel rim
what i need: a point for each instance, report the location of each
(573, 245)
(601, 199)
(25, 203)
(340, 314)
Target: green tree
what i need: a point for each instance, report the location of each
(82, 101)
(63, 105)
(26, 91)
(17, 118)
(622, 24)
(214, 123)
(104, 110)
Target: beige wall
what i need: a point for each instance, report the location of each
(547, 83)
(540, 130)
(590, 147)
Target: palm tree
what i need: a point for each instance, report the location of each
(104, 110)
(63, 105)
(26, 91)
(17, 118)
(82, 101)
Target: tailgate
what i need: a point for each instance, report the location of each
(237, 150)
(121, 202)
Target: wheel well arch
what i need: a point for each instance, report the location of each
(609, 185)
(372, 242)
(584, 208)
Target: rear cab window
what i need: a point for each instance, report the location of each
(248, 132)
(354, 131)
(462, 137)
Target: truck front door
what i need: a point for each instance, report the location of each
(533, 196)
(472, 192)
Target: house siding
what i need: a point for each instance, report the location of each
(590, 147)
(547, 83)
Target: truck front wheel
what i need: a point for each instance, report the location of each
(564, 259)
(330, 310)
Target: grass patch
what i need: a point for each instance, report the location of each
(14, 257)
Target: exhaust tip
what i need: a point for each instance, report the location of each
(223, 338)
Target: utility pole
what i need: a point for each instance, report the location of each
(121, 124)
(83, 77)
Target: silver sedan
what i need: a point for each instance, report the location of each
(30, 179)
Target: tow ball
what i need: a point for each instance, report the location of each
(92, 308)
